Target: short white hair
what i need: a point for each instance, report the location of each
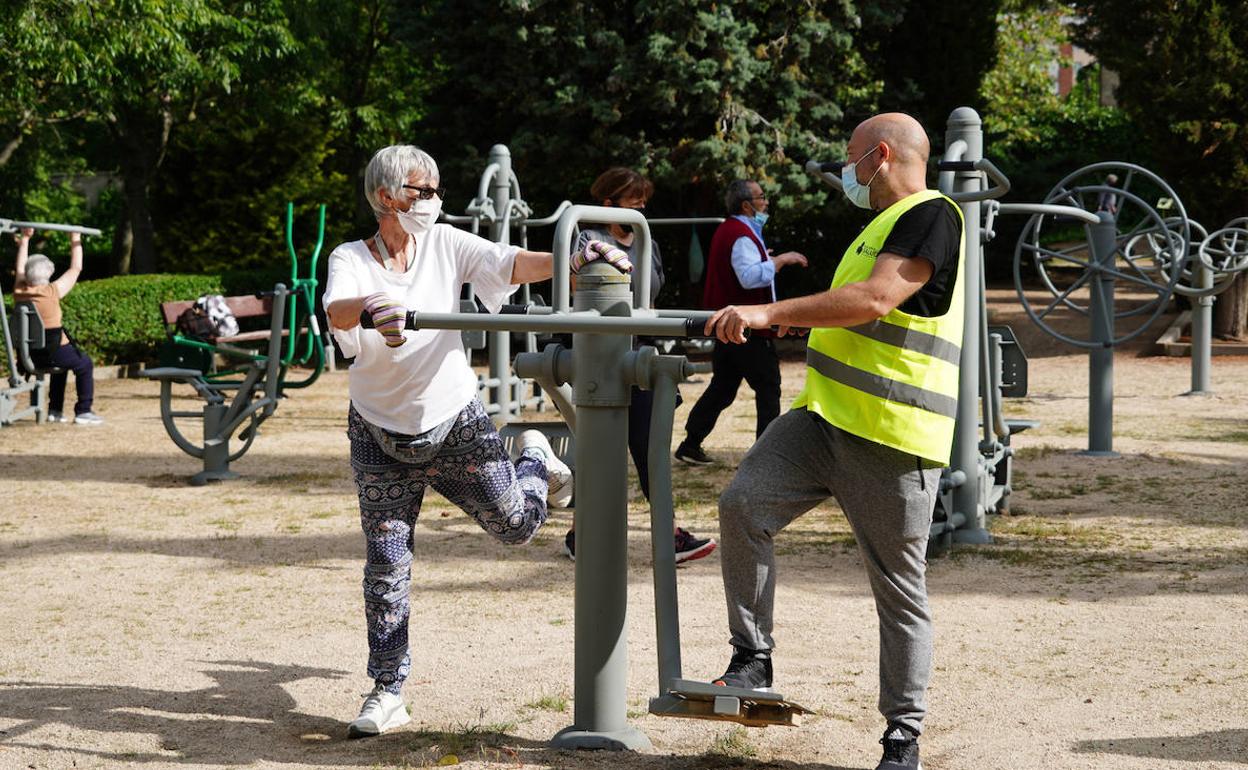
(390, 168)
(39, 270)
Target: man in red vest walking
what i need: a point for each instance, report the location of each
(739, 271)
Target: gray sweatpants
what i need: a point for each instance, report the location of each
(799, 462)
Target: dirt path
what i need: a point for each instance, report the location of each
(151, 624)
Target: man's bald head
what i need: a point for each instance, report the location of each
(904, 136)
(889, 153)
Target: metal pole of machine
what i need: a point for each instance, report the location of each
(1101, 358)
(965, 129)
(500, 232)
(601, 393)
(1202, 330)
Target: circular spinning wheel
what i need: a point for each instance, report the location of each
(1225, 252)
(1137, 180)
(1153, 246)
(1059, 246)
(1129, 194)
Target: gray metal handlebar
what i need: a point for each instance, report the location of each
(1053, 209)
(12, 226)
(649, 325)
(571, 218)
(1000, 182)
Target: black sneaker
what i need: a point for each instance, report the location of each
(693, 455)
(750, 669)
(901, 749)
(689, 546)
(569, 544)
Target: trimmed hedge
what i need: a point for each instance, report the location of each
(117, 320)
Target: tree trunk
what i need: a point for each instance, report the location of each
(139, 218)
(123, 243)
(1230, 311)
(141, 141)
(10, 147)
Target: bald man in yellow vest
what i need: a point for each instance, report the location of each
(872, 427)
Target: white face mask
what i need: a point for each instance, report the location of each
(858, 193)
(420, 217)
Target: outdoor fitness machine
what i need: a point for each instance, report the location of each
(1209, 269)
(500, 206)
(1079, 243)
(601, 368)
(254, 400)
(23, 337)
(305, 341)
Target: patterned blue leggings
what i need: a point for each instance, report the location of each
(472, 470)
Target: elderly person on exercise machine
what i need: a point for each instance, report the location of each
(33, 283)
(414, 419)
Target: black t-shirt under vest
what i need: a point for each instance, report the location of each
(931, 230)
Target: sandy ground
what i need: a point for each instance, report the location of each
(150, 624)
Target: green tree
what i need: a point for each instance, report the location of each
(1184, 72)
(301, 131)
(140, 68)
(931, 57)
(692, 93)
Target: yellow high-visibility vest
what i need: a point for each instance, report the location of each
(894, 380)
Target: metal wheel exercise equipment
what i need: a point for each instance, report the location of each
(1157, 247)
(1087, 189)
(1045, 245)
(1225, 251)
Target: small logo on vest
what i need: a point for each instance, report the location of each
(871, 251)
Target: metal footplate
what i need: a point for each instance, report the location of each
(702, 700)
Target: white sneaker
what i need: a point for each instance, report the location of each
(382, 711)
(559, 475)
(55, 417)
(88, 418)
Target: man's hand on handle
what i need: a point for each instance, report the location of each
(731, 323)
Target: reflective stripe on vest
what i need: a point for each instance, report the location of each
(893, 380)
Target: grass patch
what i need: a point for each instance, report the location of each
(555, 703)
(1028, 453)
(735, 744)
(461, 743)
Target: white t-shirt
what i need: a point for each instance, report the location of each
(427, 380)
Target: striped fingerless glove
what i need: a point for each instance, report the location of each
(595, 250)
(389, 317)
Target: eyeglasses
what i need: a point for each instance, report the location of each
(759, 197)
(425, 193)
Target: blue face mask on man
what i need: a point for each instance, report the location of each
(858, 193)
(760, 217)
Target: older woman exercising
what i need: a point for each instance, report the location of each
(414, 419)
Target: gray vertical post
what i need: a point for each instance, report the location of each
(1101, 358)
(1202, 330)
(500, 232)
(602, 394)
(965, 126)
(216, 452)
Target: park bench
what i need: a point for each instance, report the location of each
(186, 352)
(255, 396)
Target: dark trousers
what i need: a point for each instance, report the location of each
(756, 362)
(71, 358)
(639, 411)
